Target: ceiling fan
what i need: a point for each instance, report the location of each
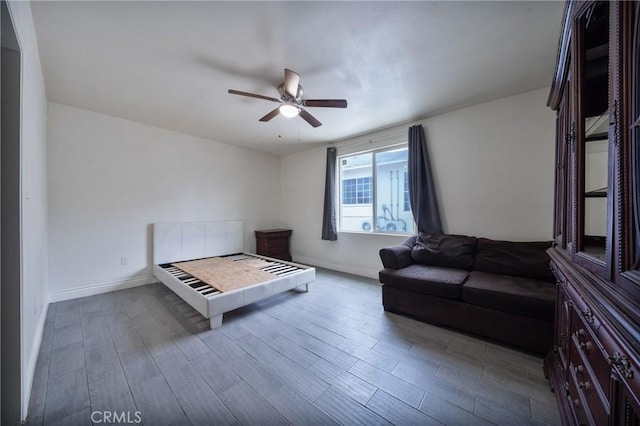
(291, 102)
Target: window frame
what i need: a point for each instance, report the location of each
(374, 193)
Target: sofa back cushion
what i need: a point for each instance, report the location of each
(519, 259)
(451, 251)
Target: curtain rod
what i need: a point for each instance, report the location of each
(379, 136)
(370, 140)
(347, 145)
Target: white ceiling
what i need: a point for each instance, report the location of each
(169, 64)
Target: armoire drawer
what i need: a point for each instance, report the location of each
(586, 350)
(588, 386)
(577, 401)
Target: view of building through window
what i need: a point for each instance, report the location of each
(374, 192)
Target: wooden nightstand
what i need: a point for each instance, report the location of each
(274, 243)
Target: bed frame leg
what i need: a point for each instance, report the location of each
(215, 321)
(308, 286)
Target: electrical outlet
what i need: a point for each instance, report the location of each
(123, 261)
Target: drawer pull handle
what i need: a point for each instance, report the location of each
(623, 364)
(586, 346)
(576, 403)
(580, 332)
(584, 385)
(579, 369)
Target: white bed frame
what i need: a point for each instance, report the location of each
(181, 241)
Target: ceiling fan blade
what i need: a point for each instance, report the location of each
(291, 82)
(253, 95)
(326, 103)
(309, 118)
(271, 115)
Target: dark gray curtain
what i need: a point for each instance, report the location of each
(422, 191)
(329, 231)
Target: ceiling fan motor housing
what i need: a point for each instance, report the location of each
(285, 97)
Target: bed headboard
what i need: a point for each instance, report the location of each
(178, 241)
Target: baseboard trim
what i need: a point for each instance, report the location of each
(92, 290)
(30, 368)
(355, 270)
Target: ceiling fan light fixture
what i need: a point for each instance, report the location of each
(289, 110)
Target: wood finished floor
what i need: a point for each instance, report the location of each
(330, 356)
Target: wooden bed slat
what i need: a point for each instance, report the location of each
(270, 267)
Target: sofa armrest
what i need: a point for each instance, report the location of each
(398, 257)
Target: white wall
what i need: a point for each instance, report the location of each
(110, 179)
(33, 140)
(493, 166)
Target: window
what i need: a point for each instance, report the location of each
(357, 191)
(374, 192)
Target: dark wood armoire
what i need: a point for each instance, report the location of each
(594, 367)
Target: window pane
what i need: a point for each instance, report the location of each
(407, 204)
(593, 130)
(356, 209)
(349, 191)
(635, 117)
(392, 211)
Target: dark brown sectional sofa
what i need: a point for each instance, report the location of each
(502, 290)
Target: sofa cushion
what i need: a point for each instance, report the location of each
(432, 280)
(520, 259)
(523, 296)
(450, 251)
